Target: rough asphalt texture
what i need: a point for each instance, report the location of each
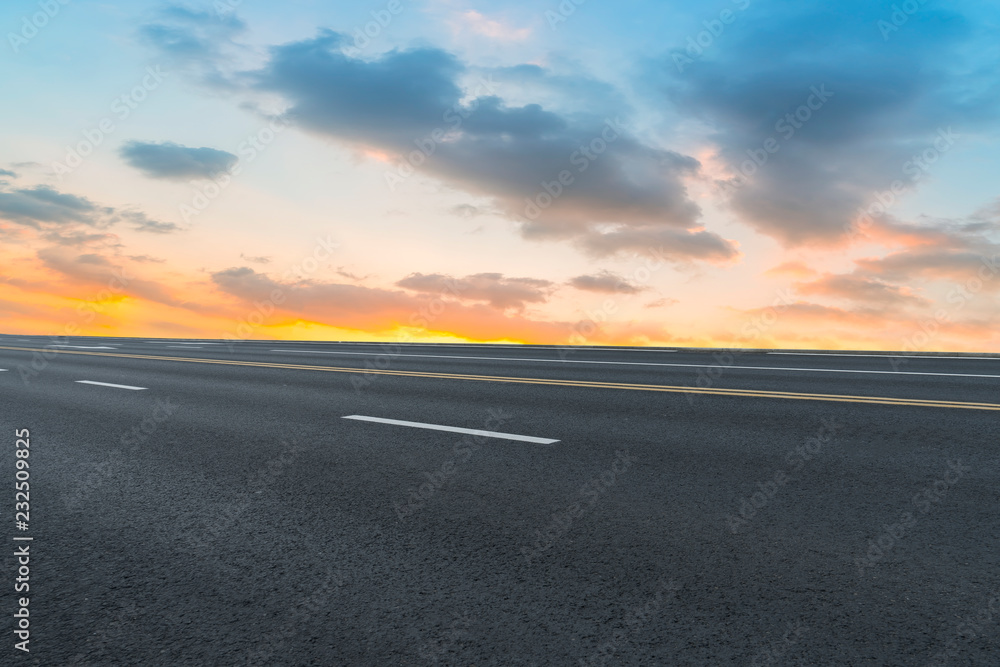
(228, 515)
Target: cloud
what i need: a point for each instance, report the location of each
(940, 249)
(410, 105)
(199, 43)
(473, 21)
(666, 244)
(42, 205)
(792, 268)
(661, 303)
(492, 288)
(891, 232)
(376, 310)
(862, 289)
(310, 297)
(605, 282)
(97, 272)
(143, 223)
(935, 263)
(173, 161)
(8, 173)
(344, 273)
(10, 308)
(990, 214)
(77, 238)
(256, 260)
(885, 104)
(466, 211)
(814, 314)
(561, 90)
(67, 219)
(872, 327)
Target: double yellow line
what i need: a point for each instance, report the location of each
(747, 393)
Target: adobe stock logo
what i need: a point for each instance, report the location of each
(785, 129)
(582, 158)
(363, 35)
(697, 44)
(37, 21)
(900, 16)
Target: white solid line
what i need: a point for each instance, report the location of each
(642, 363)
(462, 356)
(186, 347)
(108, 384)
(888, 356)
(3, 370)
(486, 345)
(455, 429)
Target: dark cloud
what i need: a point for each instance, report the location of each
(387, 102)
(35, 207)
(410, 104)
(492, 288)
(67, 219)
(143, 223)
(889, 102)
(604, 282)
(173, 161)
(666, 244)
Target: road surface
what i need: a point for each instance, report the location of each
(294, 503)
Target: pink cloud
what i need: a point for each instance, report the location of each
(482, 25)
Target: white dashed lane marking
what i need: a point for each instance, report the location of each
(455, 429)
(108, 384)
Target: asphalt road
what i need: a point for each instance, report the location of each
(661, 507)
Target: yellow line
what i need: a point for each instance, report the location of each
(746, 393)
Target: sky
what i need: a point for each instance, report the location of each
(733, 173)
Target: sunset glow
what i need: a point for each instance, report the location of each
(802, 177)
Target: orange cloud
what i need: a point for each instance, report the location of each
(859, 288)
(790, 269)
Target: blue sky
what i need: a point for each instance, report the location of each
(715, 159)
